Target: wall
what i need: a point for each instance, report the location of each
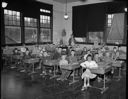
(68, 23)
(58, 19)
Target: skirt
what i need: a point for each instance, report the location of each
(88, 74)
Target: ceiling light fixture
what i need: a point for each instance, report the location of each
(125, 9)
(4, 4)
(66, 15)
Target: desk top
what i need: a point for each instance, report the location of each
(31, 60)
(17, 57)
(102, 68)
(71, 66)
(51, 62)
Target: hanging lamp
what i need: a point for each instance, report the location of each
(66, 15)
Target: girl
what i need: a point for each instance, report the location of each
(87, 75)
(65, 73)
(72, 57)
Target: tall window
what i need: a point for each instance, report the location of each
(45, 28)
(12, 27)
(30, 30)
(115, 28)
(109, 19)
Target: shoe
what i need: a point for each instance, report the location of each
(58, 79)
(88, 85)
(83, 88)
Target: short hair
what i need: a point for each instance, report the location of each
(114, 48)
(89, 56)
(72, 50)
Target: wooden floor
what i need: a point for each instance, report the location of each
(16, 85)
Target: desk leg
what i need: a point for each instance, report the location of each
(104, 88)
(33, 71)
(54, 75)
(73, 79)
(104, 85)
(119, 75)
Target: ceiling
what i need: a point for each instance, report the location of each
(69, 1)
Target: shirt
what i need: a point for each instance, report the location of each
(63, 62)
(72, 59)
(87, 64)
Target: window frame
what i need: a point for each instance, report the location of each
(22, 28)
(10, 25)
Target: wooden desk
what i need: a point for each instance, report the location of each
(32, 61)
(53, 63)
(72, 67)
(102, 69)
(18, 60)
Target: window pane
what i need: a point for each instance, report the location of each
(45, 21)
(11, 17)
(109, 21)
(30, 22)
(45, 35)
(12, 35)
(30, 35)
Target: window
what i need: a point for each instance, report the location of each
(115, 28)
(45, 28)
(27, 26)
(110, 17)
(45, 11)
(12, 27)
(30, 30)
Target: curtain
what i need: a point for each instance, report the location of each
(116, 32)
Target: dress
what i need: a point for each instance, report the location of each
(87, 73)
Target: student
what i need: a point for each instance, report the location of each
(45, 57)
(27, 54)
(84, 51)
(107, 58)
(97, 59)
(87, 75)
(72, 58)
(71, 40)
(114, 51)
(57, 53)
(16, 51)
(100, 53)
(88, 53)
(65, 73)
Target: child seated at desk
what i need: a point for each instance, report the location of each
(65, 73)
(72, 58)
(87, 75)
(84, 51)
(88, 53)
(107, 58)
(16, 51)
(57, 53)
(26, 55)
(97, 59)
(45, 57)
